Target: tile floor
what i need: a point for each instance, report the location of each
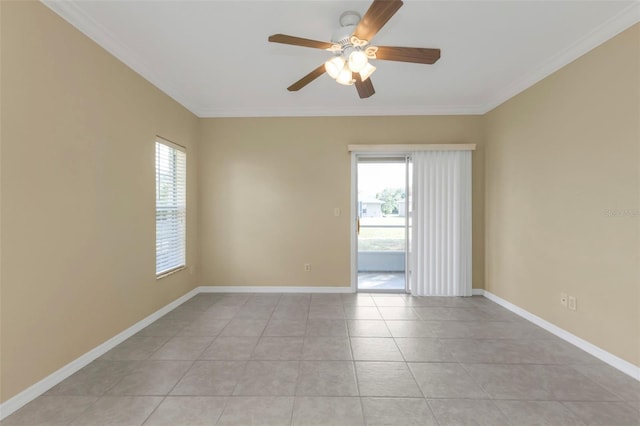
(329, 359)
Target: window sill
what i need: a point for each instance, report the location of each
(171, 272)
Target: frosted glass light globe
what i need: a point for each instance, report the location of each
(358, 60)
(334, 65)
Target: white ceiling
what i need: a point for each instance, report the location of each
(213, 56)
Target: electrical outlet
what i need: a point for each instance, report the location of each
(307, 267)
(573, 303)
(563, 299)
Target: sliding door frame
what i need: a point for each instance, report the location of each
(354, 214)
(386, 150)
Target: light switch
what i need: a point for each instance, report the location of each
(336, 211)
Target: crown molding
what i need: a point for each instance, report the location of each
(609, 29)
(70, 12)
(73, 14)
(338, 111)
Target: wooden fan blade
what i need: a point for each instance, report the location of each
(365, 88)
(418, 55)
(306, 79)
(297, 41)
(378, 14)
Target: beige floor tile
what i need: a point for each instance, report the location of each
(244, 327)
(397, 412)
(151, 378)
(391, 301)
(163, 327)
(94, 379)
(278, 348)
(461, 412)
(362, 313)
(326, 299)
(210, 378)
(357, 299)
(450, 314)
(368, 328)
(204, 326)
(268, 378)
(327, 411)
(258, 411)
(50, 411)
(326, 348)
(375, 349)
(613, 380)
(400, 328)
(538, 413)
(386, 379)
(446, 380)
(182, 348)
(398, 313)
(187, 411)
(230, 348)
(604, 413)
(335, 311)
(286, 327)
(536, 382)
(500, 368)
(327, 327)
(136, 348)
(327, 378)
(424, 349)
(118, 411)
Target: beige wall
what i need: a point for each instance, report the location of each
(77, 186)
(268, 187)
(558, 157)
(78, 233)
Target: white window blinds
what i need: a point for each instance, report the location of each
(441, 218)
(171, 207)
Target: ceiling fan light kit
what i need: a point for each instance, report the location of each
(350, 58)
(366, 71)
(350, 45)
(357, 60)
(334, 65)
(345, 77)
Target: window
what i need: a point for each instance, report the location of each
(171, 207)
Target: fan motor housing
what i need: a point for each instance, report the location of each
(348, 23)
(349, 18)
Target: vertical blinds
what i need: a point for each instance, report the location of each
(171, 207)
(441, 261)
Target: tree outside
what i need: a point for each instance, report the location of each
(390, 197)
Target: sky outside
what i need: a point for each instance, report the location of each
(373, 178)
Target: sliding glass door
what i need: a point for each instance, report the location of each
(382, 223)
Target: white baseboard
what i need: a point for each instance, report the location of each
(614, 361)
(32, 392)
(37, 389)
(272, 289)
(477, 292)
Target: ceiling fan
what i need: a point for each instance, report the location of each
(352, 50)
